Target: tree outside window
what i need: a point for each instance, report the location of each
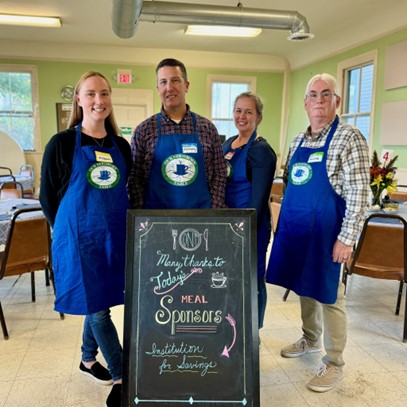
(16, 107)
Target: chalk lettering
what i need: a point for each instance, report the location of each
(164, 366)
(203, 366)
(164, 260)
(166, 316)
(170, 280)
(174, 349)
(191, 261)
(193, 299)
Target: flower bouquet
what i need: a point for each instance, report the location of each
(382, 177)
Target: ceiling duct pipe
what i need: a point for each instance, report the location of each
(124, 12)
(125, 16)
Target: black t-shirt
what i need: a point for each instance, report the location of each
(57, 167)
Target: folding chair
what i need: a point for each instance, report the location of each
(27, 250)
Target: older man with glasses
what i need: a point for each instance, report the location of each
(327, 190)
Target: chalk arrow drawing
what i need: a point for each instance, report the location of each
(232, 322)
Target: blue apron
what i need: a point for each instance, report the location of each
(177, 179)
(309, 224)
(89, 234)
(239, 191)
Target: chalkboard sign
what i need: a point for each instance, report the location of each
(191, 328)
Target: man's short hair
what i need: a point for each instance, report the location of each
(173, 62)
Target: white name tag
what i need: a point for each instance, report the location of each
(316, 157)
(189, 148)
(229, 155)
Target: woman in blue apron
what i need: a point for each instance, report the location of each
(86, 203)
(251, 167)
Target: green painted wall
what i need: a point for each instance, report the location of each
(52, 76)
(298, 120)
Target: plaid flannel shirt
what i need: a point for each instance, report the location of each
(348, 166)
(143, 145)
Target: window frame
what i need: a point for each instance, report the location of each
(342, 78)
(32, 70)
(228, 79)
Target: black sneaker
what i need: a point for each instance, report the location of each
(97, 372)
(115, 397)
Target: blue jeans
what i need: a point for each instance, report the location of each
(262, 299)
(100, 332)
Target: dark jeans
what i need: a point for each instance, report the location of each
(100, 332)
(262, 299)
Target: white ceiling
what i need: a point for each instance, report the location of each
(338, 25)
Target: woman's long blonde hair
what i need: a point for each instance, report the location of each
(77, 112)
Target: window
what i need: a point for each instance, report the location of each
(358, 103)
(358, 75)
(222, 94)
(18, 96)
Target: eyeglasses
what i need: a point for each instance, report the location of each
(325, 95)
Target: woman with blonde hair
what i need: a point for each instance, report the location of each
(251, 166)
(83, 195)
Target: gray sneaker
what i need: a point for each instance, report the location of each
(326, 378)
(299, 348)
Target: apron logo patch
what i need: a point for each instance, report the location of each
(316, 157)
(103, 175)
(179, 170)
(300, 174)
(229, 169)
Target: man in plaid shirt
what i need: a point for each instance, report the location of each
(327, 178)
(177, 154)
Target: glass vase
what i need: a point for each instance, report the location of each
(377, 197)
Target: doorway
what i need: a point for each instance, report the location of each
(131, 107)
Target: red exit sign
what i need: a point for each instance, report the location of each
(124, 77)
